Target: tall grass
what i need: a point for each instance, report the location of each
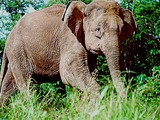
(45, 102)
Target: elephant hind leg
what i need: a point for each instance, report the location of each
(21, 68)
(21, 76)
(8, 86)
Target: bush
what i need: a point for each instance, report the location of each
(148, 88)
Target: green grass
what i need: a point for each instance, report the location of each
(49, 104)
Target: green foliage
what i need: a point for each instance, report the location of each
(46, 91)
(147, 35)
(2, 45)
(75, 105)
(145, 44)
(12, 11)
(86, 1)
(17, 8)
(149, 86)
(51, 2)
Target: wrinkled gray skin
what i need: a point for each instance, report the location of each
(42, 44)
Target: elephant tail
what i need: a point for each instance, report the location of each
(3, 67)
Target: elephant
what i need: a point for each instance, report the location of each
(65, 41)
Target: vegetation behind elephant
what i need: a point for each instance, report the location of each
(42, 44)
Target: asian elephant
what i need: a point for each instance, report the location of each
(65, 41)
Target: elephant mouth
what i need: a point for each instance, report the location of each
(96, 52)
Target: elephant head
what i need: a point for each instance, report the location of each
(101, 26)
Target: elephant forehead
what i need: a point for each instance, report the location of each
(112, 7)
(100, 7)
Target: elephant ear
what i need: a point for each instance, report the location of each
(129, 25)
(73, 17)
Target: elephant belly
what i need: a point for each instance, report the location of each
(45, 78)
(46, 67)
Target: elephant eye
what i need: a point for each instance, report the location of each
(99, 31)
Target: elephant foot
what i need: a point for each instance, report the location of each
(94, 91)
(3, 100)
(123, 94)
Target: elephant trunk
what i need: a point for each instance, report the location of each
(113, 59)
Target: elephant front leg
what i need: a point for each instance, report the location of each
(74, 70)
